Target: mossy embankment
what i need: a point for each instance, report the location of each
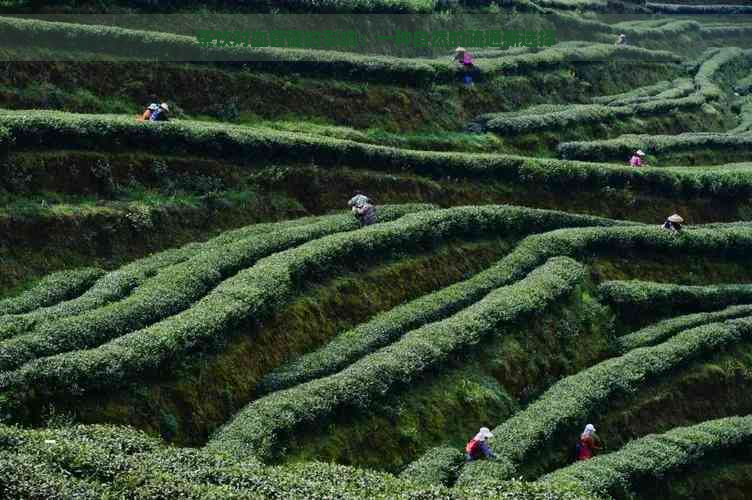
(697, 270)
(66, 209)
(726, 476)
(690, 393)
(36, 240)
(705, 389)
(475, 388)
(186, 403)
(704, 118)
(243, 96)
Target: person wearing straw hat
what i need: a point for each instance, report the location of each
(673, 223)
(622, 40)
(589, 443)
(161, 114)
(148, 112)
(467, 61)
(478, 446)
(637, 158)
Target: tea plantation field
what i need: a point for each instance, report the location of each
(189, 309)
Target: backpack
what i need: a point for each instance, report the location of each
(473, 447)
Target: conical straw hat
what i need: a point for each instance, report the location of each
(676, 218)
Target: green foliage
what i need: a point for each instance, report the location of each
(723, 9)
(94, 462)
(654, 455)
(655, 145)
(166, 295)
(576, 114)
(646, 92)
(63, 130)
(149, 45)
(349, 346)
(260, 427)
(440, 466)
(633, 299)
(662, 330)
(54, 288)
(567, 405)
(118, 284)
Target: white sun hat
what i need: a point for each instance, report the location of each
(640, 152)
(484, 433)
(164, 106)
(460, 49)
(676, 218)
(153, 106)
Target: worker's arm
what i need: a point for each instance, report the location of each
(486, 450)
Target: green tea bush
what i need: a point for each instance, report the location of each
(440, 467)
(578, 114)
(150, 45)
(572, 400)
(166, 294)
(655, 455)
(679, 88)
(647, 91)
(259, 428)
(662, 330)
(63, 130)
(673, 8)
(353, 344)
(118, 284)
(52, 289)
(95, 462)
(251, 293)
(637, 298)
(623, 146)
(745, 115)
(712, 71)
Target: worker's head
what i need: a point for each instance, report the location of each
(640, 152)
(153, 106)
(459, 50)
(483, 434)
(622, 36)
(589, 429)
(676, 219)
(164, 106)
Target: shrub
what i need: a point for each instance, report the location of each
(93, 462)
(258, 429)
(116, 285)
(439, 467)
(655, 455)
(166, 294)
(621, 147)
(64, 130)
(50, 290)
(638, 298)
(342, 65)
(661, 331)
(351, 345)
(577, 114)
(672, 8)
(573, 399)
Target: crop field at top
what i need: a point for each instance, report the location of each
(190, 309)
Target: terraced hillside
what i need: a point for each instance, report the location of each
(188, 309)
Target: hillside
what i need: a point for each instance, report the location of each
(189, 309)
